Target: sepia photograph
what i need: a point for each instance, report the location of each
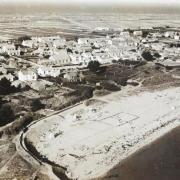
(89, 90)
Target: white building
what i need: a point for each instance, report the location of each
(75, 58)
(156, 35)
(58, 43)
(125, 34)
(102, 29)
(72, 76)
(27, 75)
(83, 40)
(169, 34)
(86, 58)
(83, 58)
(158, 46)
(60, 57)
(115, 52)
(10, 49)
(28, 43)
(83, 48)
(47, 71)
(177, 37)
(137, 33)
(44, 51)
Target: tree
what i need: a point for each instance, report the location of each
(145, 34)
(23, 38)
(6, 88)
(114, 61)
(6, 114)
(93, 66)
(36, 104)
(110, 86)
(147, 56)
(157, 55)
(5, 55)
(69, 50)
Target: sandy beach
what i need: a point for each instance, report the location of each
(91, 140)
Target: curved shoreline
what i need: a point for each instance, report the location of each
(159, 132)
(31, 150)
(157, 159)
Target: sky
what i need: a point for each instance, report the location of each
(95, 2)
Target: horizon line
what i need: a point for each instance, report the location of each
(88, 4)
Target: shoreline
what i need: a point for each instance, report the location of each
(151, 135)
(153, 138)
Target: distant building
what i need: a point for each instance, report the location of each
(59, 43)
(27, 75)
(47, 71)
(10, 49)
(44, 51)
(13, 63)
(28, 43)
(177, 37)
(60, 57)
(102, 29)
(83, 40)
(137, 33)
(156, 35)
(72, 76)
(125, 33)
(75, 58)
(169, 34)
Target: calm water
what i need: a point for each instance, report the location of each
(158, 161)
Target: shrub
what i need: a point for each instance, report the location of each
(114, 61)
(157, 55)
(6, 88)
(69, 50)
(87, 92)
(147, 56)
(5, 55)
(6, 114)
(110, 86)
(93, 66)
(19, 124)
(46, 56)
(36, 104)
(145, 34)
(25, 120)
(59, 172)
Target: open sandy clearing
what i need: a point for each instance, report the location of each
(90, 140)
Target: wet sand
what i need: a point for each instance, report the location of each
(159, 160)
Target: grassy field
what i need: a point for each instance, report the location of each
(81, 24)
